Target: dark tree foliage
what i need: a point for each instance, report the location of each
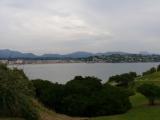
(80, 85)
(150, 71)
(15, 93)
(150, 91)
(111, 100)
(123, 80)
(158, 68)
(83, 96)
(49, 93)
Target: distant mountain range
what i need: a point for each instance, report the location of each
(15, 54)
(71, 55)
(10, 54)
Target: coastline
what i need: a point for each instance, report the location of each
(34, 62)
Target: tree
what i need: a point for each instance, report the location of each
(158, 68)
(83, 96)
(150, 71)
(78, 98)
(111, 100)
(150, 91)
(80, 85)
(123, 80)
(49, 93)
(15, 94)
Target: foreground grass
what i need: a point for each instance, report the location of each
(140, 111)
(155, 77)
(46, 114)
(152, 78)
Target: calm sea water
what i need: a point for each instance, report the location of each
(62, 73)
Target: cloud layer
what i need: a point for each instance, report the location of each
(64, 26)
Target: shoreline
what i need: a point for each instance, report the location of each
(45, 63)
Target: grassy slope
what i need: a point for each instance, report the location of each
(140, 110)
(46, 114)
(155, 76)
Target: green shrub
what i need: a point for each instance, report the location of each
(83, 97)
(49, 93)
(123, 80)
(15, 93)
(158, 68)
(150, 91)
(27, 108)
(150, 71)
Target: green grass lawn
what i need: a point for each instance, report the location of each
(155, 76)
(148, 79)
(141, 110)
(152, 78)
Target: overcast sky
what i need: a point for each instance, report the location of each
(64, 26)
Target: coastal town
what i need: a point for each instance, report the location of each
(21, 62)
(116, 58)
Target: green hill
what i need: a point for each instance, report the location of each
(141, 110)
(154, 76)
(151, 78)
(46, 114)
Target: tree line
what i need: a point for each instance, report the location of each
(83, 96)
(122, 58)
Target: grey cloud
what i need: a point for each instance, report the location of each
(80, 25)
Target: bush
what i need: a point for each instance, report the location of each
(27, 108)
(158, 68)
(123, 80)
(15, 93)
(150, 91)
(84, 86)
(83, 97)
(112, 100)
(152, 70)
(49, 93)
